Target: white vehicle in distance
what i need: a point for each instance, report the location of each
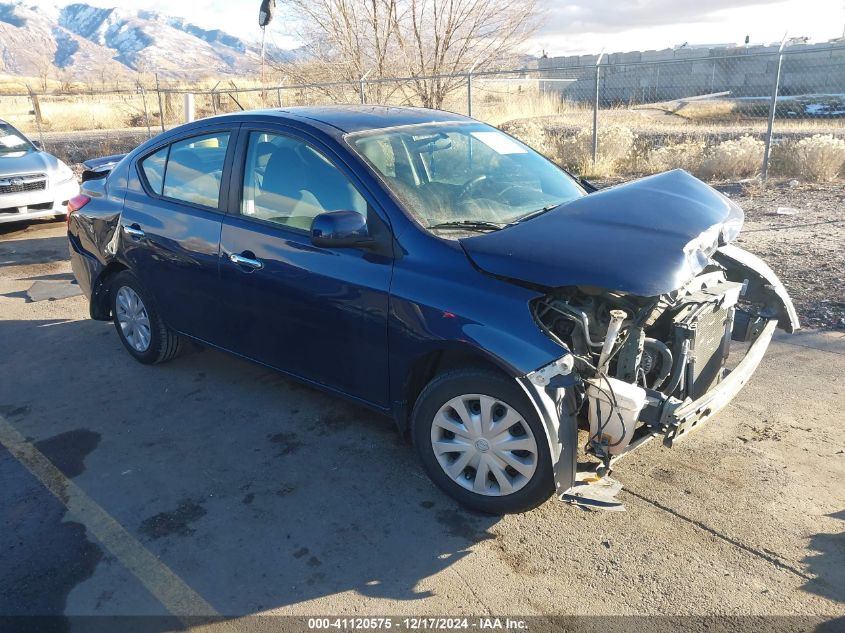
(33, 183)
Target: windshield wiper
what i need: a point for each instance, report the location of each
(470, 225)
(534, 214)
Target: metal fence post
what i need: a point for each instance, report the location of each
(160, 106)
(596, 112)
(469, 94)
(363, 87)
(188, 106)
(764, 174)
(469, 89)
(36, 111)
(146, 112)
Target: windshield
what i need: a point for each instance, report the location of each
(469, 176)
(13, 141)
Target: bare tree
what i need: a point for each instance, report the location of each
(345, 40)
(448, 37)
(43, 63)
(349, 39)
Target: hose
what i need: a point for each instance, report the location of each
(665, 362)
(579, 316)
(679, 369)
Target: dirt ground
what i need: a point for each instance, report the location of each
(799, 229)
(262, 496)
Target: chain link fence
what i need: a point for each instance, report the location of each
(716, 113)
(719, 113)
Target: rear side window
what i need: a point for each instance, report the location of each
(153, 168)
(189, 170)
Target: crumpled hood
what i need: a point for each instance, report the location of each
(30, 163)
(641, 238)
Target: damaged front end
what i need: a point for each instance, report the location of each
(641, 285)
(644, 367)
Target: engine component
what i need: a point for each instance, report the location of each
(631, 355)
(656, 362)
(616, 319)
(614, 408)
(705, 320)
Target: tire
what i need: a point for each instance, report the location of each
(143, 333)
(496, 440)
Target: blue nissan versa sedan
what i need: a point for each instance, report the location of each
(440, 271)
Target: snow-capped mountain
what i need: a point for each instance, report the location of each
(82, 41)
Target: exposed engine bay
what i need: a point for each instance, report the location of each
(642, 361)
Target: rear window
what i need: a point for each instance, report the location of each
(153, 168)
(189, 170)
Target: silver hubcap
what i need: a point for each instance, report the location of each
(133, 319)
(484, 445)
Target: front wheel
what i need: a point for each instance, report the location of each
(481, 442)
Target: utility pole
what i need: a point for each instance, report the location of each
(265, 16)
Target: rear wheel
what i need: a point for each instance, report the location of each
(140, 327)
(480, 441)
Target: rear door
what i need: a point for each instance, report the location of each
(171, 228)
(319, 313)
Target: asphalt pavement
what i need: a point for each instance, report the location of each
(210, 485)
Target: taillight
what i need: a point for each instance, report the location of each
(75, 204)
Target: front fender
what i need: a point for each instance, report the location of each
(557, 409)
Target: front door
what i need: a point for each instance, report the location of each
(318, 313)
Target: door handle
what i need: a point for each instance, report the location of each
(134, 231)
(240, 260)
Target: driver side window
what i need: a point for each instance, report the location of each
(289, 182)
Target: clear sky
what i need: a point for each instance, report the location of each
(578, 26)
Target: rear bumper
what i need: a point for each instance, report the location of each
(85, 267)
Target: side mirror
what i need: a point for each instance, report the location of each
(338, 229)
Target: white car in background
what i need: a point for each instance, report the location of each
(33, 183)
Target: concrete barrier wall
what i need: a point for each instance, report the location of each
(651, 76)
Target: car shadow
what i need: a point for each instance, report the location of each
(10, 228)
(54, 277)
(257, 491)
(36, 250)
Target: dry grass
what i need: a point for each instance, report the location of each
(735, 158)
(707, 110)
(615, 144)
(497, 108)
(686, 155)
(820, 158)
(575, 151)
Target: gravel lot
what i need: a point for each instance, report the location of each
(800, 231)
(264, 496)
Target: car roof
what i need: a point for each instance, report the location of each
(351, 118)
